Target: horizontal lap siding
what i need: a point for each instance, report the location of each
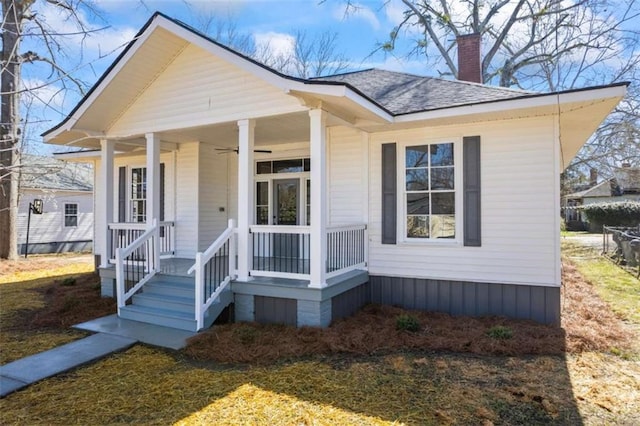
(518, 209)
(49, 226)
(187, 210)
(198, 88)
(346, 196)
(213, 195)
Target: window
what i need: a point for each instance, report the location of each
(262, 203)
(296, 165)
(430, 191)
(71, 215)
(308, 202)
(138, 194)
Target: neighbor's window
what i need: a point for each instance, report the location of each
(430, 191)
(139, 194)
(70, 215)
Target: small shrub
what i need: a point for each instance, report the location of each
(246, 334)
(68, 282)
(407, 322)
(500, 332)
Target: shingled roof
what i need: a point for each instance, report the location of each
(402, 93)
(47, 173)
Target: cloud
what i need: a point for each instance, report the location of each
(277, 45)
(357, 11)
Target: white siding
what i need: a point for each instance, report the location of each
(346, 180)
(187, 200)
(197, 89)
(213, 195)
(48, 227)
(519, 236)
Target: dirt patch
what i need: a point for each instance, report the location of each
(588, 324)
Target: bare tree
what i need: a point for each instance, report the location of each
(543, 45)
(22, 26)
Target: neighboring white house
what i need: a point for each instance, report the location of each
(66, 191)
(301, 200)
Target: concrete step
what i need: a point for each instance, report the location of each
(165, 301)
(164, 317)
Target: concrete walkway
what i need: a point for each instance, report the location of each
(113, 335)
(32, 369)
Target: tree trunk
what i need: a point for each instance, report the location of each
(12, 12)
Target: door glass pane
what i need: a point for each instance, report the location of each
(308, 202)
(286, 193)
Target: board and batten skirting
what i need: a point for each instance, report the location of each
(537, 303)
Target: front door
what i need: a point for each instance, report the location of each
(286, 196)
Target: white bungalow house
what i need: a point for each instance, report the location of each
(221, 181)
(65, 223)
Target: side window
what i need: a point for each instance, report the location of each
(430, 191)
(70, 215)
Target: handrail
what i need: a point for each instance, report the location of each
(281, 229)
(213, 272)
(347, 249)
(138, 257)
(125, 233)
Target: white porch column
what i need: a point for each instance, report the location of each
(318, 252)
(153, 189)
(246, 135)
(104, 201)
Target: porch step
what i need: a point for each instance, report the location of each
(170, 301)
(164, 317)
(165, 301)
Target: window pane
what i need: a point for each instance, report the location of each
(443, 226)
(418, 226)
(71, 209)
(416, 156)
(442, 154)
(263, 167)
(442, 178)
(262, 193)
(417, 180)
(443, 203)
(287, 166)
(71, 221)
(262, 215)
(307, 164)
(418, 203)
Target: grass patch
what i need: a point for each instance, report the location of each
(36, 315)
(407, 322)
(616, 286)
(500, 332)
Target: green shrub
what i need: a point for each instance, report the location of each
(406, 322)
(500, 332)
(68, 282)
(620, 213)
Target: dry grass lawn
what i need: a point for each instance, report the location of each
(360, 371)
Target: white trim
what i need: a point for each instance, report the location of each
(246, 205)
(318, 243)
(549, 100)
(272, 274)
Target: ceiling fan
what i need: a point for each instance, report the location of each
(230, 150)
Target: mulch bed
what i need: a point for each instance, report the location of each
(588, 324)
(68, 301)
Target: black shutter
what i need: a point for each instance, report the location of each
(161, 192)
(122, 194)
(389, 193)
(471, 179)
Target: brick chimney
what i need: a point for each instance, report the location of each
(469, 58)
(593, 177)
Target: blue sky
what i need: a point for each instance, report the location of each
(265, 21)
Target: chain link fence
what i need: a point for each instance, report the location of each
(622, 245)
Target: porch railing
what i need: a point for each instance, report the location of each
(214, 268)
(281, 251)
(136, 264)
(124, 233)
(346, 249)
